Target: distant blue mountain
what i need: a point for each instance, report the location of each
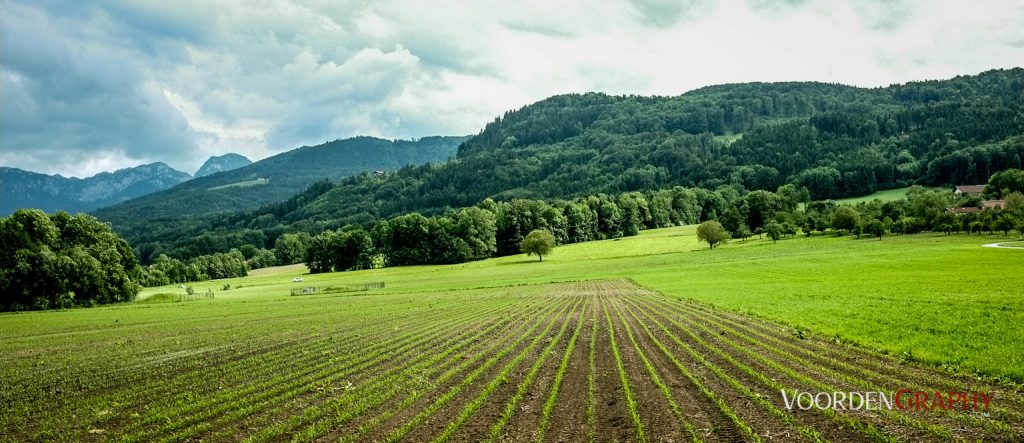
(226, 162)
(51, 193)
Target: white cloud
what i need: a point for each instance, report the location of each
(133, 82)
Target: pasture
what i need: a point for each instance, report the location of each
(884, 195)
(638, 339)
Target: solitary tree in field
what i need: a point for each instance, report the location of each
(539, 242)
(713, 233)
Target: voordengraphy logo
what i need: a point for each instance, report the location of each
(904, 399)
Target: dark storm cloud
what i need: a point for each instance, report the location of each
(71, 96)
(176, 20)
(104, 84)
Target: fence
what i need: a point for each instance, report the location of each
(311, 290)
(208, 295)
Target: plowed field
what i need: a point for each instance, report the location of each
(587, 361)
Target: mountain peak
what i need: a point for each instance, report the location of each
(222, 163)
(51, 193)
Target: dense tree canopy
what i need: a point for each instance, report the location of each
(845, 218)
(342, 250)
(1004, 183)
(61, 261)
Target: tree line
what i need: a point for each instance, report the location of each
(923, 209)
(166, 270)
(499, 228)
(491, 228)
(59, 261)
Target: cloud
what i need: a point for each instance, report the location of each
(553, 30)
(665, 13)
(86, 86)
(73, 97)
(886, 15)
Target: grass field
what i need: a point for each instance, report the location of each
(634, 339)
(245, 184)
(885, 196)
(897, 295)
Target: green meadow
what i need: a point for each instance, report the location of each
(944, 300)
(242, 184)
(885, 196)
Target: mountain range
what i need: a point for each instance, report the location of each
(52, 193)
(222, 183)
(281, 176)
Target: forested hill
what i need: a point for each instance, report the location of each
(834, 140)
(277, 178)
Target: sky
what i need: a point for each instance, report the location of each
(91, 86)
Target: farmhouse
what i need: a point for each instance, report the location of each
(993, 204)
(968, 189)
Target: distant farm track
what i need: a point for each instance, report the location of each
(1006, 245)
(588, 361)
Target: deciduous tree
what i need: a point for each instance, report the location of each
(538, 242)
(774, 231)
(875, 227)
(845, 219)
(713, 233)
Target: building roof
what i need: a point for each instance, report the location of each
(987, 204)
(970, 189)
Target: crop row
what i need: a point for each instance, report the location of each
(595, 361)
